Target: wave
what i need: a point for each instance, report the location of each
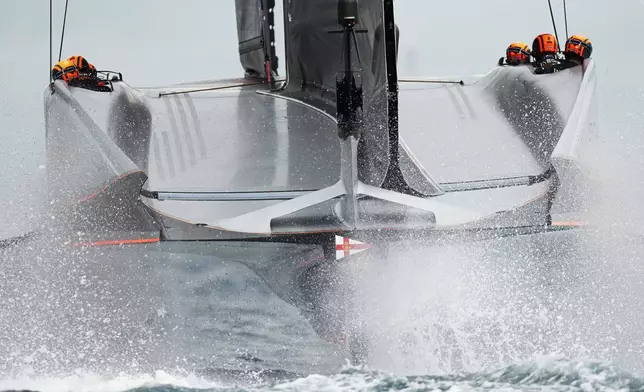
(547, 373)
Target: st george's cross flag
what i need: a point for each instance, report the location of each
(346, 246)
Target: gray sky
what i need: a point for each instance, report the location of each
(156, 42)
(144, 38)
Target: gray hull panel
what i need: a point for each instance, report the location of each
(213, 158)
(504, 125)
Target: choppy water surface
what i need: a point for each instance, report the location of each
(538, 374)
(556, 314)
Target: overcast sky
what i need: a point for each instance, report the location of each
(149, 39)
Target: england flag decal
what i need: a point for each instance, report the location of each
(345, 247)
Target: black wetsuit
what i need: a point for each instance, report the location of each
(504, 61)
(91, 83)
(552, 65)
(545, 67)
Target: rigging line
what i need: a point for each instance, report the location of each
(355, 41)
(566, 17)
(62, 34)
(50, 40)
(554, 25)
(163, 94)
(462, 83)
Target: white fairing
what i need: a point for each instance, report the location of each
(574, 152)
(581, 127)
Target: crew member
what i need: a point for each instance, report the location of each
(87, 76)
(545, 50)
(578, 48)
(517, 53)
(81, 63)
(92, 69)
(65, 70)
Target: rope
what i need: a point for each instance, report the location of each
(50, 40)
(210, 89)
(554, 25)
(432, 81)
(566, 17)
(62, 35)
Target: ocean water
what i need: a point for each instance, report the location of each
(539, 374)
(561, 314)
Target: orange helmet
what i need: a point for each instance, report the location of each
(65, 70)
(543, 45)
(81, 63)
(578, 46)
(518, 53)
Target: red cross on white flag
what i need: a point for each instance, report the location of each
(346, 246)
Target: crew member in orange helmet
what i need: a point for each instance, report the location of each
(578, 48)
(65, 70)
(545, 50)
(87, 75)
(517, 53)
(92, 69)
(72, 69)
(81, 63)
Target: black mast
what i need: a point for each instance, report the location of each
(348, 90)
(394, 180)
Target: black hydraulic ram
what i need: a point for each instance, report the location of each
(349, 83)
